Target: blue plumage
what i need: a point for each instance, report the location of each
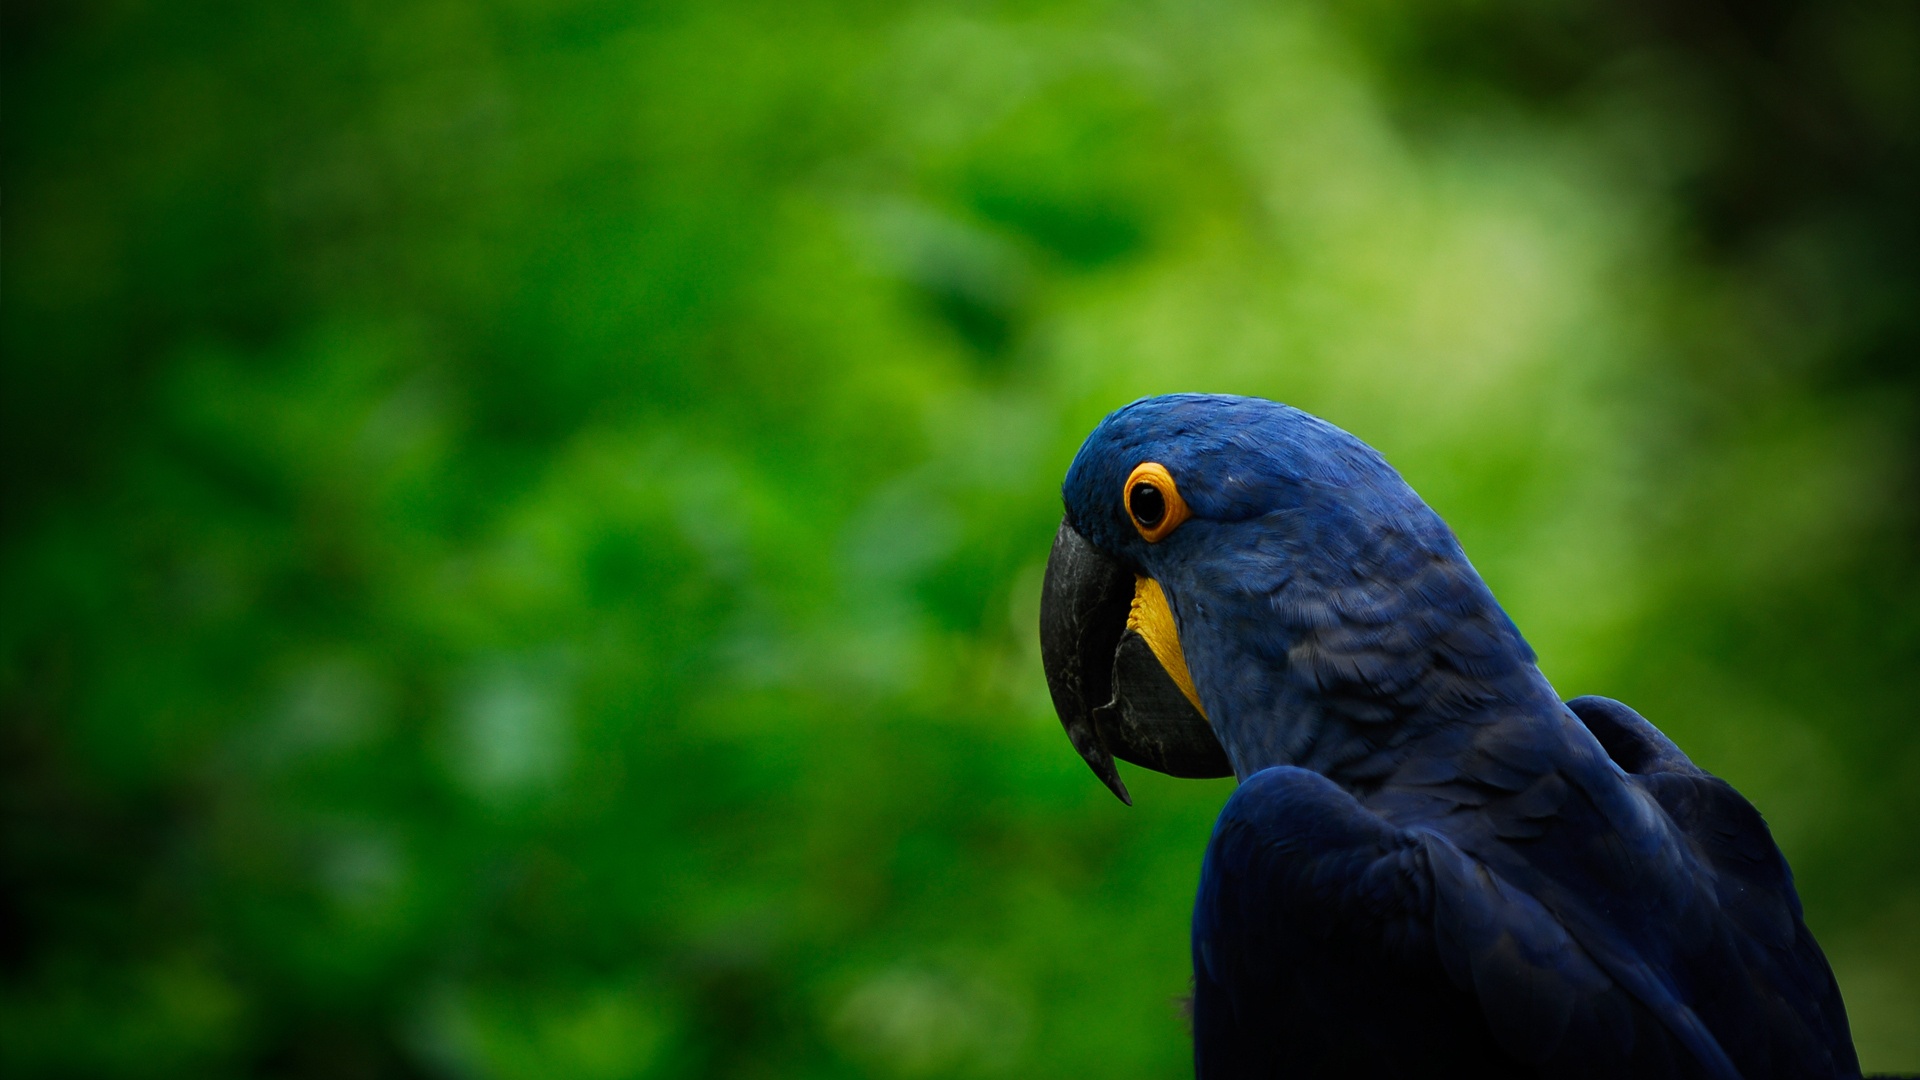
(1433, 863)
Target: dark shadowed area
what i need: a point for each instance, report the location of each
(522, 522)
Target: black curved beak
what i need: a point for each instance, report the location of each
(1113, 694)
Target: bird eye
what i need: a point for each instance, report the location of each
(1147, 504)
(1153, 501)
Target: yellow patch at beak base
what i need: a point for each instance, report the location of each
(1152, 619)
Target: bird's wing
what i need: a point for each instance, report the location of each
(1389, 950)
(1780, 998)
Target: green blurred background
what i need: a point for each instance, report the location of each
(522, 521)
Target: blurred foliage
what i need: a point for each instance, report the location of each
(522, 520)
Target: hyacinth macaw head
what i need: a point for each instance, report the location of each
(1235, 579)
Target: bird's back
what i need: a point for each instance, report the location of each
(1519, 906)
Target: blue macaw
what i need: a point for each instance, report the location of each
(1432, 865)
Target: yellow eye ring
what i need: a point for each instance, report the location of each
(1153, 502)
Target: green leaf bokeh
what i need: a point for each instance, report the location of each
(523, 520)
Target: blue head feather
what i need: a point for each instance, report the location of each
(1329, 617)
